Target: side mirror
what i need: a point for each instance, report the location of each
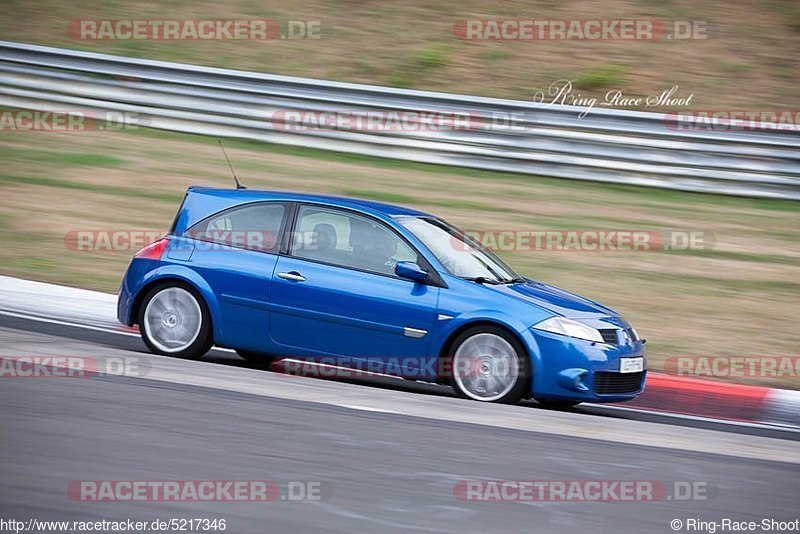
(410, 271)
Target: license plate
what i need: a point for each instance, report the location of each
(631, 365)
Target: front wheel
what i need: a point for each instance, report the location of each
(174, 321)
(488, 364)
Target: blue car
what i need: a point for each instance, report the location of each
(366, 284)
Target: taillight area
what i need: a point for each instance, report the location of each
(154, 250)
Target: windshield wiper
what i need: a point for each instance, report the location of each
(481, 280)
(518, 280)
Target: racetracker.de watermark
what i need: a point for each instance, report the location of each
(734, 366)
(579, 29)
(580, 490)
(68, 120)
(131, 240)
(409, 367)
(33, 366)
(198, 490)
(110, 240)
(372, 120)
(193, 29)
(588, 240)
(726, 120)
(128, 240)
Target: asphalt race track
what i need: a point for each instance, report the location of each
(387, 455)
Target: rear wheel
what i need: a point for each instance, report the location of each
(174, 321)
(488, 364)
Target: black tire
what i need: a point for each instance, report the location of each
(258, 360)
(204, 340)
(557, 404)
(521, 386)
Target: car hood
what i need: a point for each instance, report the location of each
(556, 300)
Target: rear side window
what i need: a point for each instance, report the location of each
(348, 240)
(252, 227)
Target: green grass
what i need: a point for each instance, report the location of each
(381, 196)
(602, 76)
(97, 188)
(642, 196)
(431, 59)
(711, 284)
(399, 198)
(794, 21)
(8, 153)
(749, 257)
(496, 54)
(33, 263)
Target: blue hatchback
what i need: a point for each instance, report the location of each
(371, 285)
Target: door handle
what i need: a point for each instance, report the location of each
(292, 275)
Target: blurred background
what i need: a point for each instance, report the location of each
(748, 59)
(738, 298)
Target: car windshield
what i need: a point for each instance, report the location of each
(461, 255)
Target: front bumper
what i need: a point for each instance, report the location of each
(574, 369)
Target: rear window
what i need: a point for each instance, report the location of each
(252, 227)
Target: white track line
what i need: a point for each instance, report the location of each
(780, 427)
(66, 323)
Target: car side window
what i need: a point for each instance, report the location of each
(252, 226)
(348, 240)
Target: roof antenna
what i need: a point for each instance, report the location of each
(233, 172)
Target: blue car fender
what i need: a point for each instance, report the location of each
(188, 276)
(448, 327)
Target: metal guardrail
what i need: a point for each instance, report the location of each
(616, 146)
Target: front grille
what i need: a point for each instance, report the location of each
(609, 335)
(607, 383)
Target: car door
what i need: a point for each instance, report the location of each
(235, 251)
(335, 292)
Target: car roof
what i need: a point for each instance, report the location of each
(389, 210)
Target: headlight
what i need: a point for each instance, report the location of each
(568, 327)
